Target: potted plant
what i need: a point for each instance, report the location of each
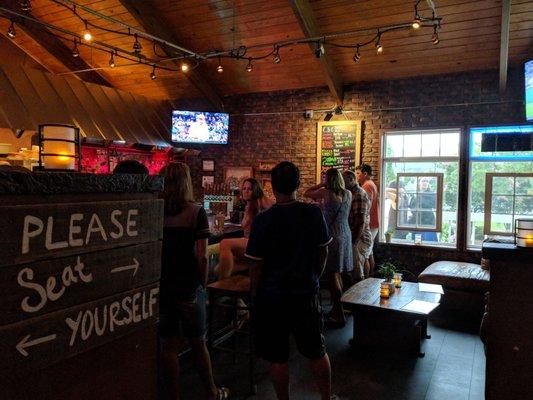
(388, 235)
(386, 271)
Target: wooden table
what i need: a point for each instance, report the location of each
(230, 231)
(376, 317)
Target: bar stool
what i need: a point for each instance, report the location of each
(235, 287)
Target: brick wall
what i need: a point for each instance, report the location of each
(272, 127)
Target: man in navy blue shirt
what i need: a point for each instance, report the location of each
(288, 250)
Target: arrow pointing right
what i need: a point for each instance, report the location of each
(134, 267)
(24, 343)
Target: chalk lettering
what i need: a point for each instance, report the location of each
(86, 330)
(131, 223)
(25, 305)
(126, 302)
(74, 230)
(100, 329)
(136, 316)
(74, 325)
(27, 233)
(49, 239)
(113, 313)
(153, 299)
(98, 228)
(114, 221)
(50, 285)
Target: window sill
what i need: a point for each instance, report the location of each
(423, 245)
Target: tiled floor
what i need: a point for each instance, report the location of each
(453, 369)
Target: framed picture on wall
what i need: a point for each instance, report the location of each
(266, 184)
(208, 165)
(234, 176)
(207, 180)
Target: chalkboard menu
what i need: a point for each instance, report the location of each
(338, 146)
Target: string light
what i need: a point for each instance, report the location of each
(435, 38)
(11, 32)
(276, 58)
(249, 67)
(220, 69)
(319, 51)
(184, 67)
(416, 23)
(137, 47)
(112, 61)
(75, 51)
(86, 33)
(357, 55)
(153, 76)
(25, 5)
(379, 46)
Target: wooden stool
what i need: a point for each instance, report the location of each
(235, 287)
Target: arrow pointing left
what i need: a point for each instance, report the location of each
(25, 343)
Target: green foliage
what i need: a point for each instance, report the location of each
(387, 270)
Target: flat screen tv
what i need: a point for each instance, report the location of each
(199, 127)
(528, 74)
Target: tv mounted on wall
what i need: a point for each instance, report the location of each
(199, 127)
(528, 76)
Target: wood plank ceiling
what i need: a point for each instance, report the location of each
(469, 40)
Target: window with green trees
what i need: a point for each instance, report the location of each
(432, 152)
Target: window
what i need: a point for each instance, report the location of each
(500, 185)
(419, 202)
(507, 197)
(420, 183)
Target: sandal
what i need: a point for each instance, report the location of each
(222, 393)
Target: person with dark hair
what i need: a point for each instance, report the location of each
(183, 281)
(130, 167)
(336, 201)
(232, 248)
(364, 176)
(288, 251)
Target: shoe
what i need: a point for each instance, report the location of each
(222, 393)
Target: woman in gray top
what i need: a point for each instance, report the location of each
(336, 202)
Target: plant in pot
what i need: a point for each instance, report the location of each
(388, 235)
(386, 271)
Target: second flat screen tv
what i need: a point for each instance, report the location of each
(200, 127)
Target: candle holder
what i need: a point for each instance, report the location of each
(384, 290)
(59, 148)
(397, 279)
(418, 238)
(524, 232)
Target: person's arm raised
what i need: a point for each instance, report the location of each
(316, 192)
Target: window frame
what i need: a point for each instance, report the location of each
(488, 200)
(438, 211)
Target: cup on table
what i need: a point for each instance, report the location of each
(418, 238)
(219, 222)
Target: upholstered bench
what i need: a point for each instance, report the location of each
(464, 284)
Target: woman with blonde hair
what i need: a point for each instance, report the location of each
(230, 249)
(183, 281)
(336, 204)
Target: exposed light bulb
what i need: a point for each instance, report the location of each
(137, 47)
(25, 5)
(112, 61)
(379, 47)
(416, 23)
(435, 37)
(153, 76)
(276, 58)
(75, 51)
(11, 32)
(86, 33)
(184, 67)
(220, 69)
(249, 67)
(357, 55)
(319, 51)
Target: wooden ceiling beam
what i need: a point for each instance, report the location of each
(55, 47)
(146, 16)
(307, 21)
(504, 43)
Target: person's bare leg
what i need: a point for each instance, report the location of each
(335, 283)
(203, 361)
(279, 374)
(230, 249)
(170, 367)
(321, 370)
(371, 264)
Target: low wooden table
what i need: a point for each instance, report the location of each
(375, 316)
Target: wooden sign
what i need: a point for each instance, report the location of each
(32, 232)
(338, 146)
(30, 290)
(38, 342)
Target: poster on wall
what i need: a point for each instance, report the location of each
(338, 146)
